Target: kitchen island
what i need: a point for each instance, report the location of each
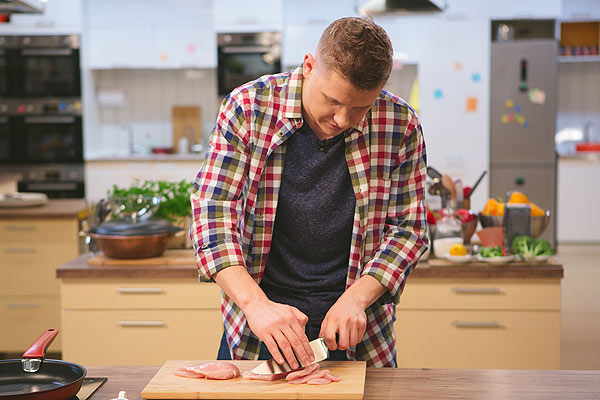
(399, 383)
(450, 315)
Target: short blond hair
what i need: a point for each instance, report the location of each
(359, 50)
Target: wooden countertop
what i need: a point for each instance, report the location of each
(57, 208)
(415, 384)
(434, 268)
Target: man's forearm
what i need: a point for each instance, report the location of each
(237, 283)
(366, 290)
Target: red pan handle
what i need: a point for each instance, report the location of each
(39, 347)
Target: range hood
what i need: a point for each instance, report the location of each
(22, 6)
(377, 7)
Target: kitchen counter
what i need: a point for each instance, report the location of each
(398, 383)
(59, 208)
(148, 157)
(434, 268)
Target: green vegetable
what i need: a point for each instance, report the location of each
(488, 252)
(529, 248)
(174, 196)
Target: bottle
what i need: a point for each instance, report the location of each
(448, 232)
(183, 145)
(148, 145)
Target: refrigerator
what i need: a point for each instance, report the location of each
(523, 123)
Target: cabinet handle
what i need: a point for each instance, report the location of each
(476, 324)
(20, 250)
(480, 290)
(141, 323)
(22, 305)
(140, 290)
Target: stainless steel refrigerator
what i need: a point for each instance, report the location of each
(523, 122)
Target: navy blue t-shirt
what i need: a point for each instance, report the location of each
(308, 262)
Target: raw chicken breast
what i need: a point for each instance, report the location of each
(211, 370)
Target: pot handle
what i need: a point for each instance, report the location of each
(39, 347)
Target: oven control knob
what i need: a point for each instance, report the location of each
(3, 108)
(73, 175)
(26, 40)
(29, 108)
(21, 108)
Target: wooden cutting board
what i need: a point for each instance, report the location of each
(165, 385)
(169, 257)
(187, 121)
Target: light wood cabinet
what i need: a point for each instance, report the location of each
(479, 323)
(139, 321)
(30, 251)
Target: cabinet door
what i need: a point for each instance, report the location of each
(478, 339)
(60, 17)
(248, 16)
(140, 337)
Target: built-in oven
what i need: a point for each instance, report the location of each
(39, 66)
(44, 144)
(243, 57)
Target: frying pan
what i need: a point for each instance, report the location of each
(48, 379)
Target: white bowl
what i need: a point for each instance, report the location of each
(459, 259)
(496, 260)
(535, 258)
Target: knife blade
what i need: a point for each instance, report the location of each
(271, 366)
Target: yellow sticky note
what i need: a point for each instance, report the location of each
(471, 104)
(505, 119)
(509, 103)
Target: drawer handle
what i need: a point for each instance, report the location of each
(19, 228)
(476, 324)
(141, 323)
(476, 290)
(28, 250)
(140, 290)
(22, 305)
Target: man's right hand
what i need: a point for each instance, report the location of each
(280, 327)
(277, 325)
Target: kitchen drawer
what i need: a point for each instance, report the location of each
(139, 294)
(505, 294)
(30, 231)
(24, 318)
(478, 339)
(30, 268)
(140, 337)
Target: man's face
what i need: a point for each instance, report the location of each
(330, 103)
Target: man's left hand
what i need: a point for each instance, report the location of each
(347, 319)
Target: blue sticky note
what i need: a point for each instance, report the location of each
(438, 94)
(526, 124)
(517, 108)
(476, 77)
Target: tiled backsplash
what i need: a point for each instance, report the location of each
(137, 104)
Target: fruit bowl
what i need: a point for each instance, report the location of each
(538, 222)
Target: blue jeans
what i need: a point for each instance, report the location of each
(312, 332)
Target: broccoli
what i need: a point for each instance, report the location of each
(491, 251)
(523, 245)
(529, 248)
(541, 247)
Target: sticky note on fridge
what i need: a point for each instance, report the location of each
(526, 124)
(511, 118)
(505, 119)
(509, 103)
(458, 66)
(519, 119)
(537, 96)
(476, 77)
(517, 108)
(471, 104)
(438, 94)
(191, 48)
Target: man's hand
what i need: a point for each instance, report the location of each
(347, 317)
(275, 324)
(280, 326)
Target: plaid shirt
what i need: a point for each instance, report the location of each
(235, 193)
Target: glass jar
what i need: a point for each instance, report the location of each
(448, 232)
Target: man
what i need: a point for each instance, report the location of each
(308, 210)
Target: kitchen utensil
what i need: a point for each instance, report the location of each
(491, 236)
(165, 385)
(34, 378)
(538, 222)
(123, 240)
(187, 122)
(133, 207)
(271, 367)
(477, 183)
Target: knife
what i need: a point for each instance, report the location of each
(271, 366)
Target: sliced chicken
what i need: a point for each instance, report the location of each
(211, 370)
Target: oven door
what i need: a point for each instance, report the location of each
(240, 64)
(49, 73)
(7, 145)
(50, 139)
